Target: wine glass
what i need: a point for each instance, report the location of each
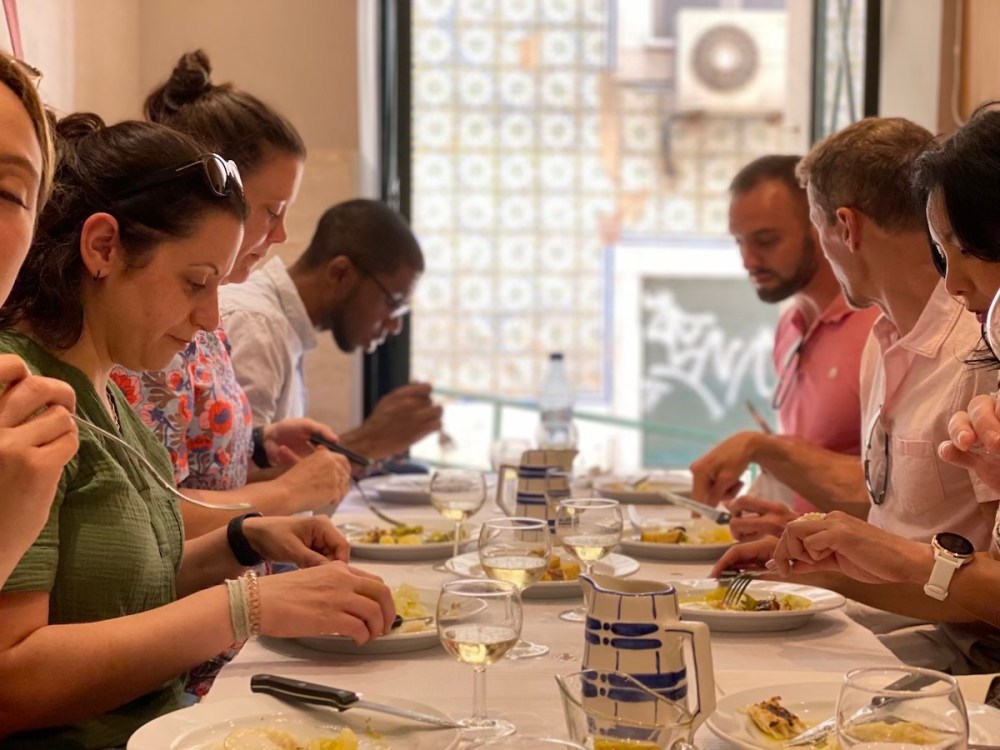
(508, 451)
(516, 549)
(478, 622)
(898, 707)
(588, 529)
(457, 494)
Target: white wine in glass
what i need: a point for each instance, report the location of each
(588, 529)
(517, 550)
(457, 494)
(478, 622)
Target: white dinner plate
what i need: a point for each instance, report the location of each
(814, 702)
(612, 565)
(720, 620)
(409, 489)
(633, 545)
(206, 725)
(621, 488)
(395, 642)
(408, 552)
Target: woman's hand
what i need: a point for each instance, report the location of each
(287, 441)
(977, 426)
(320, 479)
(844, 544)
(755, 518)
(747, 556)
(307, 541)
(334, 598)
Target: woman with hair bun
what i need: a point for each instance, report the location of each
(33, 449)
(111, 605)
(196, 406)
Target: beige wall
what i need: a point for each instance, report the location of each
(298, 55)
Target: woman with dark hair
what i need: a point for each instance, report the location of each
(142, 226)
(195, 405)
(33, 449)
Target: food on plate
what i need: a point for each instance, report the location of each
(613, 743)
(903, 732)
(403, 535)
(774, 720)
(646, 485)
(561, 570)
(689, 534)
(747, 603)
(406, 597)
(271, 738)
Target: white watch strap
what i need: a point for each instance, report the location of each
(941, 574)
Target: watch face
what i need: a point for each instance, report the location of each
(955, 544)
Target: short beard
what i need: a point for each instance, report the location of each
(800, 277)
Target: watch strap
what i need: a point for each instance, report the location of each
(245, 555)
(941, 575)
(259, 455)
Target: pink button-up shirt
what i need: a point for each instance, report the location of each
(821, 402)
(913, 384)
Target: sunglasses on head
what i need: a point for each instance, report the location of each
(221, 175)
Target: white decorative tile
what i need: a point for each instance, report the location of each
(432, 45)
(595, 49)
(432, 129)
(432, 172)
(478, 46)
(559, 48)
(476, 212)
(516, 294)
(473, 374)
(475, 253)
(556, 332)
(517, 253)
(638, 174)
(474, 293)
(557, 172)
(558, 254)
(517, 172)
(516, 374)
(518, 11)
(556, 293)
(439, 252)
(433, 293)
(559, 11)
(432, 10)
(517, 213)
(475, 172)
(558, 214)
(559, 90)
(477, 10)
(558, 131)
(432, 88)
(516, 332)
(476, 131)
(517, 132)
(475, 88)
(641, 133)
(517, 89)
(474, 333)
(590, 91)
(433, 211)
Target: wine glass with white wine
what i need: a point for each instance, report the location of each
(588, 529)
(516, 549)
(457, 494)
(478, 622)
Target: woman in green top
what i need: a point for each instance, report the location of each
(110, 605)
(32, 450)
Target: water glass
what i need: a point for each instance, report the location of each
(478, 622)
(508, 451)
(588, 529)
(457, 494)
(894, 708)
(516, 549)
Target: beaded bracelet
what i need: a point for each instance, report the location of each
(253, 601)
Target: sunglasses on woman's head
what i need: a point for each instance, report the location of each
(221, 175)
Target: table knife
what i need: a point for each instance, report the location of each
(719, 516)
(298, 691)
(820, 732)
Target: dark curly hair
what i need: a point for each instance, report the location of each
(95, 168)
(229, 121)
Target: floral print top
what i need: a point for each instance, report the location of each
(198, 411)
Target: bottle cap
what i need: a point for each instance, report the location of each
(556, 355)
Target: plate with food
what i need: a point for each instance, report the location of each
(644, 489)
(407, 489)
(431, 539)
(418, 631)
(766, 717)
(691, 539)
(260, 722)
(560, 580)
(766, 605)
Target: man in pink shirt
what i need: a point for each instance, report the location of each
(818, 342)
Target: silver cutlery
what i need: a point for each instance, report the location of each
(374, 509)
(298, 691)
(822, 730)
(736, 583)
(168, 486)
(719, 516)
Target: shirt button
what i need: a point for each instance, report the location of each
(832, 372)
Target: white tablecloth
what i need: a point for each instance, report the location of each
(524, 691)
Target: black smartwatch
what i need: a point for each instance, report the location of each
(245, 555)
(259, 455)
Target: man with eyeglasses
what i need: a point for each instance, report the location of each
(817, 348)
(354, 280)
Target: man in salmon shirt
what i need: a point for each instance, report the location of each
(817, 348)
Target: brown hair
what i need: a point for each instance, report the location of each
(231, 122)
(867, 166)
(98, 170)
(15, 76)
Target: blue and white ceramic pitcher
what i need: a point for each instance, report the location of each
(634, 627)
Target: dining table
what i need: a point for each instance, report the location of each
(524, 691)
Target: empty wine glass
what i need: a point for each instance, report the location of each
(899, 707)
(588, 529)
(516, 549)
(479, 621)
(508, 451)
(457, 494)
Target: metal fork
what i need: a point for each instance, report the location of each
(736, 583)
(168, 486)
(372, 507)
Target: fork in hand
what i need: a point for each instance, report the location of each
(736, 583)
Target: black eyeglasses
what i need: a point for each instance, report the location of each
(221, 175)
(398, 305)
(877, 460)
(788, 374)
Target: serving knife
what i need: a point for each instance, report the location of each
(298, 691)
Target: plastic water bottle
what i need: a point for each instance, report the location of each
(555, 407)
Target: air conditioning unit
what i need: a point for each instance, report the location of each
(731, 61)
